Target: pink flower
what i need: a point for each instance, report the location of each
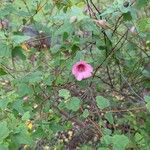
(82, 70)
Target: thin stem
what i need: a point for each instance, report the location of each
(124, 110)
(111, 52)
(111, 83)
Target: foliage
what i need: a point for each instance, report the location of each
(43, 106)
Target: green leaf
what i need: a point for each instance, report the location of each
(65, 36)
(73, 104)
(18, 105)
(120, 142)
(138, 137)
(142, 3)
(4, 130)
(18, 51)
(109, 10)
(106, 131)
(26, 116)
(127, 16)
(18, 39)
(4, 103)
(33, 77)
(86, 147)
(55, 127)
(2, 72)
(102, 102)
(3, 147)
(147, 98)
(49, 80)
(5, 50)
(144, 24)
(109, 117)
(66, 27)
(54, 49)
(107, 139)
(103, 148)
(146, 73)
(23, 138)
(24, 89)
(64, 93)
(148, 106)
(85, 113)
(78, 12)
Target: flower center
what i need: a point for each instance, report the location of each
(81, 67)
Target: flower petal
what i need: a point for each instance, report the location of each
(79, 77)
(87, 74)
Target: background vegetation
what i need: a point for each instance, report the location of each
(42, 105)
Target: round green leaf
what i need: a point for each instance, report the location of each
(4, 130)
(73, 104)
(64, 93)
(102, 102)
(85, 113)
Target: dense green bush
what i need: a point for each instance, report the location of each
(43, 105)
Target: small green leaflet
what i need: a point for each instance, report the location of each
(18, 39)
(73, 104)
(147, 100)
(18, 51)
(102, 102)
(119, 142)
(85, 113)
(109, 117)
(5, 50)
(4, 130)
(64, 93)
(26, 116)
(2, 72)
